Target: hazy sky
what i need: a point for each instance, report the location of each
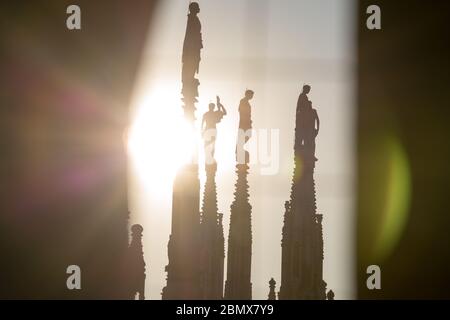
(272, 47)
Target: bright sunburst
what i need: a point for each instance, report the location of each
(159, 140)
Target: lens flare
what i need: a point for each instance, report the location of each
(397, 198)
(159, 141)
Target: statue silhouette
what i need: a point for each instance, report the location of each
(209, 130)
(307, 124)
(245, 126)
(245, 121)
(192, 43)
(311, 128)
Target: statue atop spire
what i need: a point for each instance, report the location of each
(302, 240)
(238, 285)
(307, 125)
(192, 43)
(183, 270)
(192, 46)
(212, 242)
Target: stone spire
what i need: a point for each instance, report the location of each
(136, 264)
(238, 285)
(212, 251)
(302, 240)
(183, 270)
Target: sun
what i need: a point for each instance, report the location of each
(160, 140)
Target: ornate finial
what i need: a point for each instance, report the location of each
(136, 230)
(272, 295)
(330, 295)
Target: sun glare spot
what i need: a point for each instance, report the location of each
(160, 140)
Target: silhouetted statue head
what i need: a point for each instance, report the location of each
(194, 8)
(249, 94)
(211, 106)
(306, 88)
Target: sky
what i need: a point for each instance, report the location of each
(273, 47)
